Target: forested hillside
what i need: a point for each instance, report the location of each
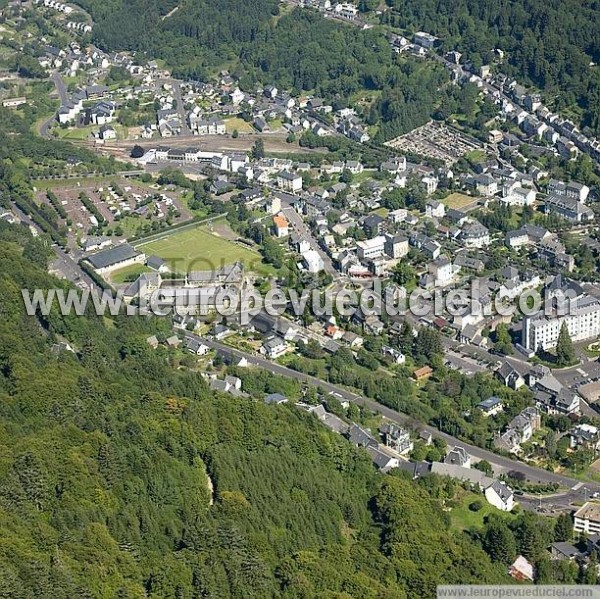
(548, 43)
(104, 489)
(198, 35)
(301, 51)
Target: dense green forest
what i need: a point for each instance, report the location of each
(104, 476)
(548, 43)
(199, 34)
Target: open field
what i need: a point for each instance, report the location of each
(85, 133)
(458, 201)
(475, 155)
(123, 275)
(462, 518)
(236, 123)
(201, 249)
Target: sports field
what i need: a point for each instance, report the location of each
(200, 249)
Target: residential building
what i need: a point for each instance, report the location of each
(584, 435)
(565, 551)
(572, 189)
(275, 399)
(396, 246)
(500, 496)
(396, 438)
(522, 570)
(426, 40)
(587, 519)
(568, 208)
(313, 261)
(516, 195)
(194, 346)
(382, 461)
(442, 270)
(281, 225)
(398, 216)
(371, 248)
(528, 234)
(361, 437)
(373, 224)
(495, 136)
(430, 183)
(582, 321)
(472, 475)
(519, 430)
(274, 347)
(475, 235)
(435, 209)
(458, 456)
(94, 243)
(486, 185)
(420, 374)
(491, 406)
(346, 10)
(289, 181)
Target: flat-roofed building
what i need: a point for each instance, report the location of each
(583, 322)
(371, 248)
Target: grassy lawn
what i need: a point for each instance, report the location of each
(458, 200)
(84, 182)
(462, 518)
(475, 155)
(199, 249)
(83, 133)
(78, 133)
(125, 274)
(237, 123)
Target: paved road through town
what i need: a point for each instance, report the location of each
(578, 491)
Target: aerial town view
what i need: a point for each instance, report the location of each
(300, 299)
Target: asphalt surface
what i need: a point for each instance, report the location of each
(176, 86)
(63, 96)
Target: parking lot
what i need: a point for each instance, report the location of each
(124, 206)
(586, 372)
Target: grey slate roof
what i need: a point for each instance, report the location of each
(113, 255)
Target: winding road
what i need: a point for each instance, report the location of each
(63, 96)
(578, 491)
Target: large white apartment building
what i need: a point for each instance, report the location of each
(582, 320)
(587, 519)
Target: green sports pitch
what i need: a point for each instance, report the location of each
(199, 249)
